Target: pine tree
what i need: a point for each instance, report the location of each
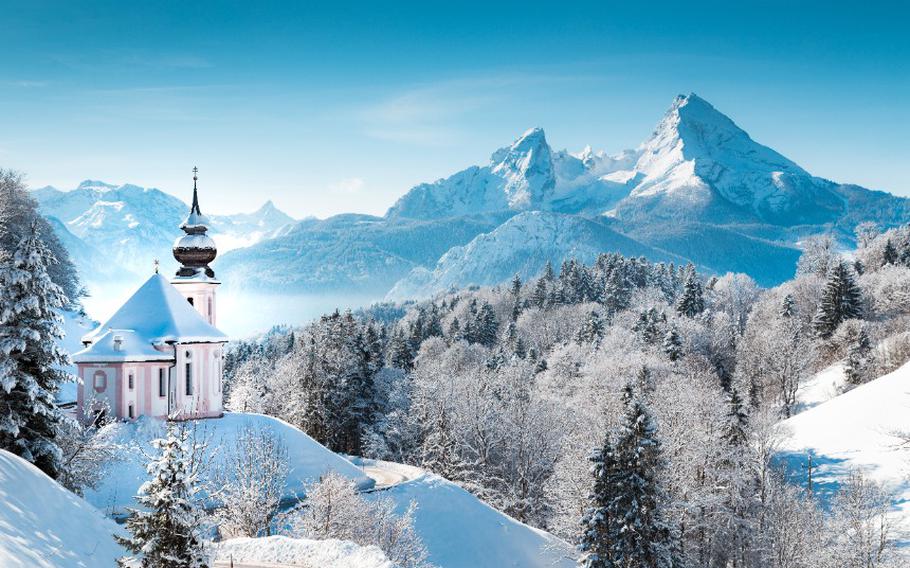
(30, 359)
(547, 272)
(592, 330)
(440, 449)
(486, 327)
(889, 254)
(788, 307)
(165, 533)
(841, 300)
(691, 301)
(672, 345)
(600, 521)
(516, 287)
(540, 293)
(857, 358)
(616, 295)
(625, 525)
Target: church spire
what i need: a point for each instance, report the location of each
(195, 250)
(195, 207)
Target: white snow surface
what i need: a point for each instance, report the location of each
(308, 459)
(42, 525)
(821, 387)
(156, 313)
(303, 553)
(461, 531)
(857, 430)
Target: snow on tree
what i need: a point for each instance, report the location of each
(30, 358)
(88, 448)
(841, 300)
(631, 519)
(858, 351)
(333, 509)
(592, 330)
(249, 483)
(672, 344)
(600, 521)
(691, 302)
(166, 532)
(819, 256)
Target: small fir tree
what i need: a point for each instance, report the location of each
(691, 301)
(165, 533)
(672, 345)
(841, 300)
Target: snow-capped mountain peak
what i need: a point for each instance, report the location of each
(697, 154)
(95, 185)
(527, 167)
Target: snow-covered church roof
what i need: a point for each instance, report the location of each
(155, 315)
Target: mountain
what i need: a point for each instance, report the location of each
(522, 245)
(525, 176)
(698, 189)
(698, 164)
(119, 230)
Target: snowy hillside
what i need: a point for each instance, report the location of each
(522, 245)
(865, 428)
(42, 525)
(460, 531)
(308, 459)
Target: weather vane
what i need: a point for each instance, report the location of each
(195, 171)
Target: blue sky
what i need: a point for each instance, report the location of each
(344, 106)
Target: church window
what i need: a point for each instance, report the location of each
(130, 381)
(190, 300)
(130, 412)
(189, 379)
(162, 383)
(99, 381)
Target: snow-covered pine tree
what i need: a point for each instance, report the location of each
(889, 254)
(691, 301)
(30, 359)
(600, 521)
(540, 293)
(857, 358)
(841, 300)
(592, 330)
(672, 344)
(787, 307)
(165, 533)
(547, 275)
(486, 327)
(440, 449)
(616, 294)
(644, 538)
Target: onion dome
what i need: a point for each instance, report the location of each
(195, 250)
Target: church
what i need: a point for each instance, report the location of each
(160, 354)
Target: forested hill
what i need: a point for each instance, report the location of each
(507, 390)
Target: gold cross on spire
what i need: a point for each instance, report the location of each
(156, 265)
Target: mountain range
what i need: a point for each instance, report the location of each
(697, 189)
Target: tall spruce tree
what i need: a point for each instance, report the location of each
(691, 301)
(600, 521)
(841, 300)
(672, 345)
(30, 359)
(165, 533)
(624, 526)
(644, 538)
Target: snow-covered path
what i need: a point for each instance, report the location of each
(387, 474)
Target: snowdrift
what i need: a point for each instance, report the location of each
(304, 553)
(308, 459)
(860, 429)
(461, 531)
(42, 525)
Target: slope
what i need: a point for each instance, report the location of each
(42, 525)
(522, 245)
(865, 429)
(307, 458)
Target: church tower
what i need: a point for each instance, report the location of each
(194, 251)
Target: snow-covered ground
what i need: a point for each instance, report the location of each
(308, 459)
(859, 429)
(461, 531)
(42, 525)
(302, 553)
(822, 387)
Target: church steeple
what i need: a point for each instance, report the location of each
(195, 250)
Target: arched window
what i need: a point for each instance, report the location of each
(189, 379)
(130, 381)
(162, 382)
(99, 381)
